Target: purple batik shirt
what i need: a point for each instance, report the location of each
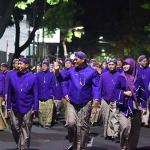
(84, 84)
(125, 103)
(9, 73)
(107, 84)
(46, 85)
(2, 83)
(22, 92)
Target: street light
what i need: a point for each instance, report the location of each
(78, 28)
(101, 37)
(103, 50)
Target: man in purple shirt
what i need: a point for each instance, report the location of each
(46, 91)
(108, 103)
(22, 103)
(143, 70)
(83, 88)
(65, 87)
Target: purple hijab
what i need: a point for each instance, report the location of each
(131, 76)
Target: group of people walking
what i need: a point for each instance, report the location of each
(115, 93)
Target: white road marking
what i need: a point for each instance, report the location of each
(91, 142)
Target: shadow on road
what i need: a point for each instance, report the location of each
(143, 148)
(95, 148)
(16, 149)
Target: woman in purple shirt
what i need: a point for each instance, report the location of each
(131, 103)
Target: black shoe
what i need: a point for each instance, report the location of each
(147, 126)
(108, 138)
(47, 127)
(116, 139)
(66, 125)
(92, 124)
(70, 147)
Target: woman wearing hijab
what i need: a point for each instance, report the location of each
(131, 103)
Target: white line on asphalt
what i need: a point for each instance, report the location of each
(91, 142)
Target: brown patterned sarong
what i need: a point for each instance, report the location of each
(65, 102)
(21, 125)
(95, 115)
(110, 119)
(130, 130)
(3, 123)
(79, 124)
(46, 112)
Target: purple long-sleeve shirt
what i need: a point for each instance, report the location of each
(125, 103)
(22, 92)
(65, 85)
(2, 85)
(46, 85)
(7, 79)
(84, 84)
(107, 84)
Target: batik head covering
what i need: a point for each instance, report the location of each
(95, 64)
(119, 59)
(40, 65)
(45, 62)
(112, 60)
(130, 76)
(24, 60)
(142, 57)
(15, 60)
(4, 65)
(68, 59)
(81, 55)
(92, 60)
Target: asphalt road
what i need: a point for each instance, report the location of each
(55, 139)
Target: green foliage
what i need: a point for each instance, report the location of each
(62, 16)
(23, 5)
(76, 33)
(146, 6)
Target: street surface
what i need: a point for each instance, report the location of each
(55, 139)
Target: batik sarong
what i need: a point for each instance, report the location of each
(65, 102)
(46, 112)
(79, 124)
(145, 118)
(3, 123)
(21, 125)
(95, 115)
(110, 119)
(57, 108)
(129, 130)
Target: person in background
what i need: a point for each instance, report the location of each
(65, 88)
(51, 67)
(91, 62)
(131, 101)
(108, 102)
(38, 67)
(96, 112)
(9, 73)
(3, 123)
(119, 65)
(4, 69)
(104, 66)
(142, 73)
(46, 92)
(22, 104)
(83, 90)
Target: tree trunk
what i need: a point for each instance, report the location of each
(6, 17)
(65, 48)
(17, 37)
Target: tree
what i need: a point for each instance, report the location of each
(6, 9)
(63, 16)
